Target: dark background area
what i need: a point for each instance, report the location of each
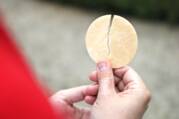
(167, 10)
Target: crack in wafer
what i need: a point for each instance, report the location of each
(108, 38)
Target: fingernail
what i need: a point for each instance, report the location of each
(103, 66)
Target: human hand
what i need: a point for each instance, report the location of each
(63, 101)
(122, 94)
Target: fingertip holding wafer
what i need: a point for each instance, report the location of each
(112, 39)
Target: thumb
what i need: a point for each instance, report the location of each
(105, 78)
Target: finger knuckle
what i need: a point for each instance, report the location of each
(107, 78)
(147, 96)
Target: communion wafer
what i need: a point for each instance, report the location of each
(112, 38)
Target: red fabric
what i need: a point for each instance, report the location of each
(20, 96)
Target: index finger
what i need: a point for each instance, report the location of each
(77, 94)
(128, 75)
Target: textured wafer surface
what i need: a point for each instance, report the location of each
(119, 47)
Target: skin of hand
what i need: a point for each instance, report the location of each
(64, 100)
(117, 94)
(122, 93)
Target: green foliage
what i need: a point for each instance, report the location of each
(153, 9)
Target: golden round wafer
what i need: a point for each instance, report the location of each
(112, 38)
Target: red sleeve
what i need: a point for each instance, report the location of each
(20, 96)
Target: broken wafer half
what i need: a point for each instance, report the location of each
(113, 38)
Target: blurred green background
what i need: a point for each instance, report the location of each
(153, 9)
